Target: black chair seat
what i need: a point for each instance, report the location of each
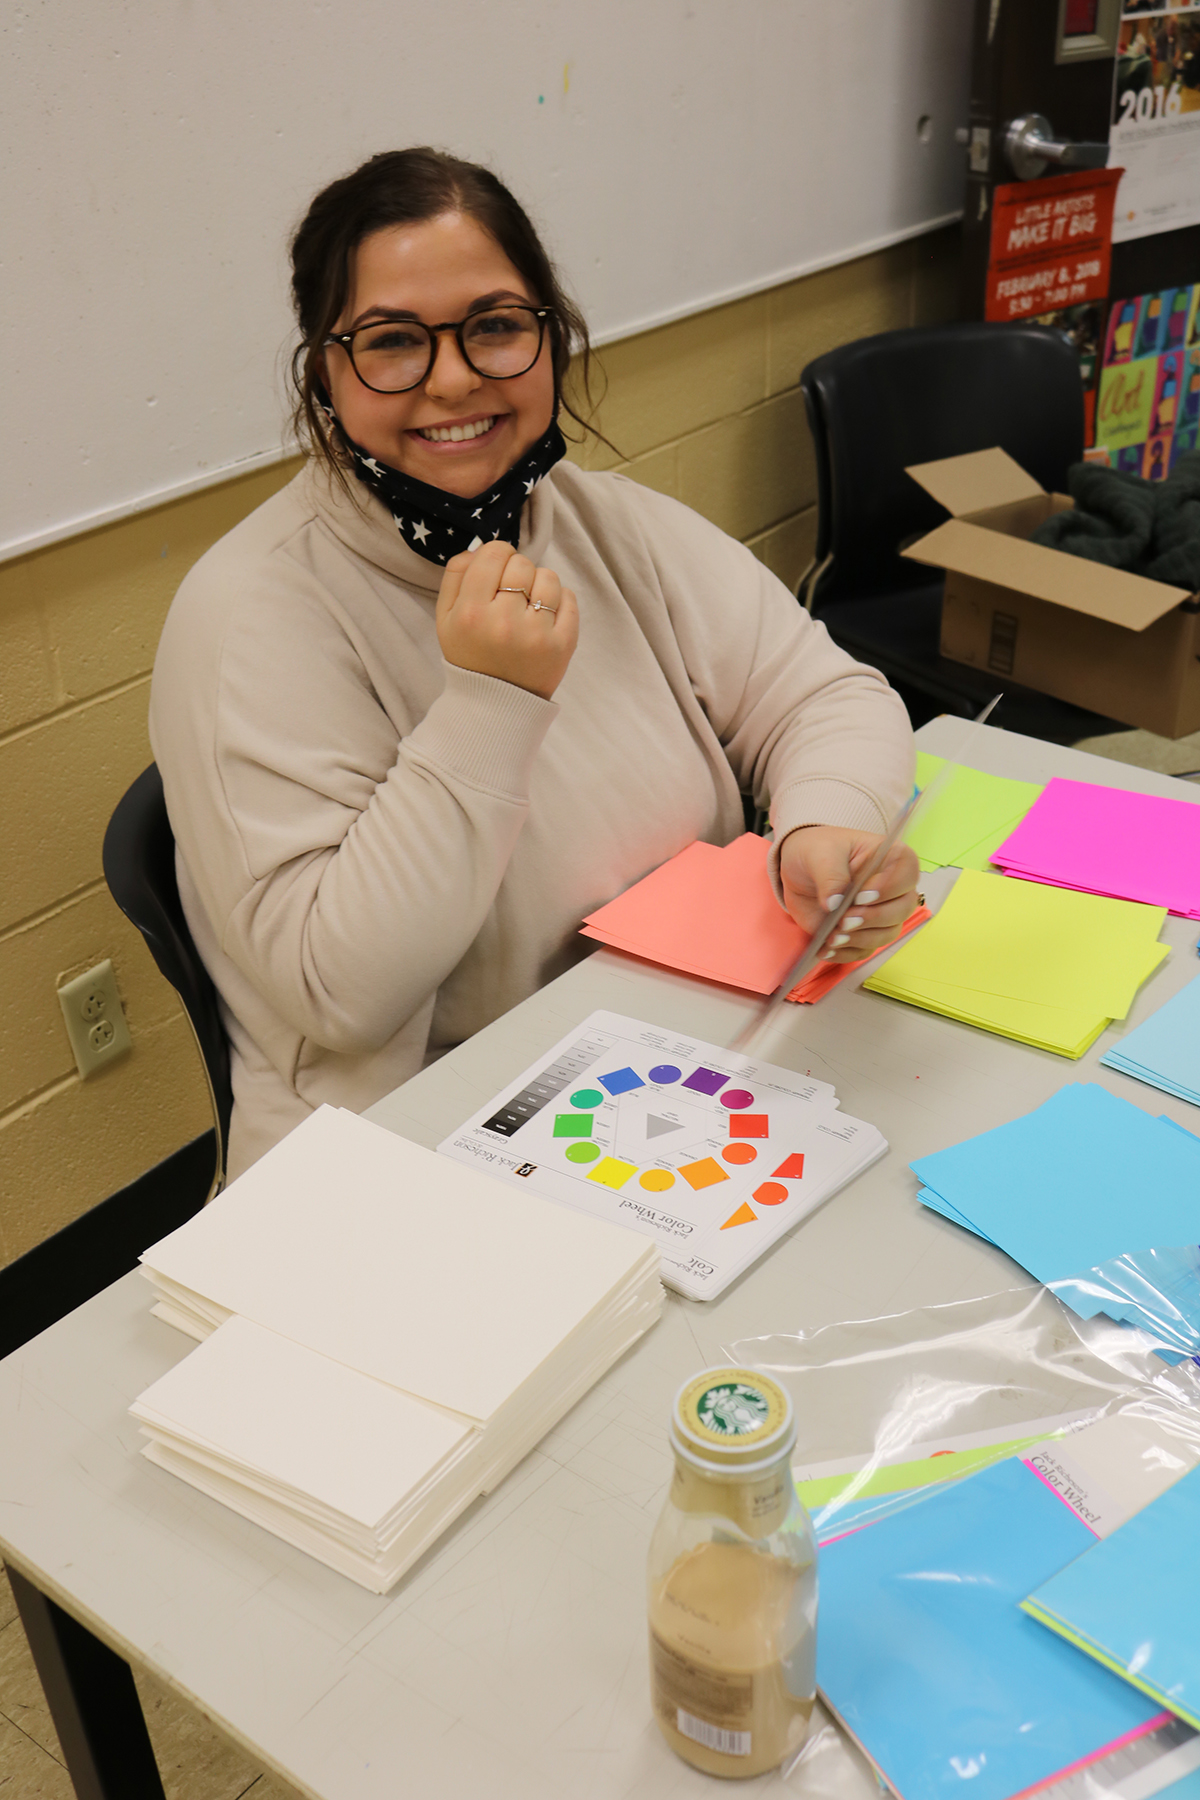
(883, 404)
(139, 867)
(899, 634)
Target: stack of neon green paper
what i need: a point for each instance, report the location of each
(1048, 966)
(970, 818)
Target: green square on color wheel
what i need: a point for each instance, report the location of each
(574, 1125)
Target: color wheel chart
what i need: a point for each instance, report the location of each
(713, 1156)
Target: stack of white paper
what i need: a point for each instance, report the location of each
(386, 1336)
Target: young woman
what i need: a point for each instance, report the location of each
(446, 693)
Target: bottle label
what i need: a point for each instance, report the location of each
(732, 1409)
(729, 1743)
(712, 1699)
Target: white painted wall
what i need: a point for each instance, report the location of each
(676, 153)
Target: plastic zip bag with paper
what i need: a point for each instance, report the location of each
(1155, 1291)
(896, 1412)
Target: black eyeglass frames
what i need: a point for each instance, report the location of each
(390, 356)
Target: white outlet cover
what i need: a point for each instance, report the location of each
(86, 1001)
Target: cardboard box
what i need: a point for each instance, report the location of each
(1098, 637)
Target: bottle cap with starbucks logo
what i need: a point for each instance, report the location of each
(734, 1419)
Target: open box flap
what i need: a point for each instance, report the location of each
(1052, 575)
(967, 484)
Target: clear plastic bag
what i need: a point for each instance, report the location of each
(1154, 1291)
(891, 1410)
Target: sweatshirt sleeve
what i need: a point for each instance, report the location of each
(344, 863)
(814, 736)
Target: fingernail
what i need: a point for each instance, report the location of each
(841, 938)
(833, 902)
(870, 897)
(828, 956)
(852, 924)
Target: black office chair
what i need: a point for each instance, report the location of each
(139, 867)
(882, 403)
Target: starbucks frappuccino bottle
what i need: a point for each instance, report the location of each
(732, 1581)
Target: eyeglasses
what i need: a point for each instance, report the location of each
(390, 356)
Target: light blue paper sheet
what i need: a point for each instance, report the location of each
(1084, 1178)
(924, 1652)
(1135, 1598)
(1165, 1050)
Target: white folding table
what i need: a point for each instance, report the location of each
(511, 1661)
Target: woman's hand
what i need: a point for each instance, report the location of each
(496, 633)
(817, 864)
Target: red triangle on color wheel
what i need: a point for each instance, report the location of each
(792, 1167)
(745, 1215)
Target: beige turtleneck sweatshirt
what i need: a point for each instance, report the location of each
(379, 853)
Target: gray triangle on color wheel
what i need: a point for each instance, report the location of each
(658, 1127)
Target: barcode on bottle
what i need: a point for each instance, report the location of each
(729, 1743)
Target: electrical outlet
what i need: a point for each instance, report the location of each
(95, 1019)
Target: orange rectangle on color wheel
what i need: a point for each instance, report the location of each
(749, 1125)
(703, 1174)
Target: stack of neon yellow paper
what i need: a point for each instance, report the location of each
(969, 819)
(1048, 966)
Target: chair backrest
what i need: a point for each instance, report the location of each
(139, 867)
(882, 403)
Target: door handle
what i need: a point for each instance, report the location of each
(1030, 143)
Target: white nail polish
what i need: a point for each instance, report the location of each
(828, 957)
(870, 897)
(833, 902)
(852, 924)
(841, 938)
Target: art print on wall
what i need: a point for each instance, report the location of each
(1155, 132)
(1148, 408)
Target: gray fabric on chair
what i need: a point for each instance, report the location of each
(1150, 528)
(1177, 526)
(1112, 519)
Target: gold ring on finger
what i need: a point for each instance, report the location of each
(516, 590)
(540, 606)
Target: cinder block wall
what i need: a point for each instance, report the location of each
(707, 410)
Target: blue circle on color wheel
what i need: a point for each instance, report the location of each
(664, 1072)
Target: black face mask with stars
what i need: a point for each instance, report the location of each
(438, 525)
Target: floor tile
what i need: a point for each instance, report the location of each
(195, 1761)
(8, 1606)
(26, 1772)
(21, 1697)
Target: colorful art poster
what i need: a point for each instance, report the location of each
(1148, 408)
(1051, 243)
(1155, 132)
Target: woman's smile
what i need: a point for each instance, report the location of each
(448, 437)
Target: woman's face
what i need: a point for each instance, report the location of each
(441, 269)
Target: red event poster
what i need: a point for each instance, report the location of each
(1051, 243)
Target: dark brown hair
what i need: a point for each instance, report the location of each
(407, 187)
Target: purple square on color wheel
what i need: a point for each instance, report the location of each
(706, 1081)
(620, 1081)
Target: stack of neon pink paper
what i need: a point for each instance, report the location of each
(1102, 840)
(712, 912)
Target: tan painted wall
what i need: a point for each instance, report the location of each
(707, 409)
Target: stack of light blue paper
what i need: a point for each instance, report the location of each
(1094, 1197)
(1131, 1601)
(1165, 1051)
(927, 1659)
